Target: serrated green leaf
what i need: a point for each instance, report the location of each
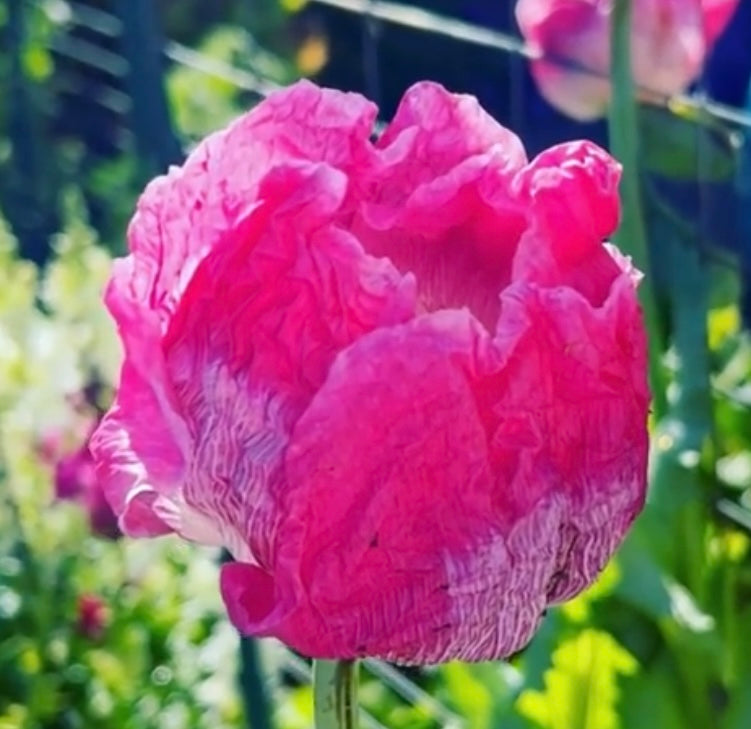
(581, 689)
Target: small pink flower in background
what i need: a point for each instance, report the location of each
(670, 41)
(74, 475)
(92, 616)
(75, 480)
(402, 381)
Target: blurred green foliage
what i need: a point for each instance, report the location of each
(661, 640)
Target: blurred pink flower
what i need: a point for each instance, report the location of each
(669, 42)
(75, 480)
(402, 381)
(74, 474)
(92, 617)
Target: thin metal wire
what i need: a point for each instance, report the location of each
(107, 97)
(411, 692)
(99, 21)
(90, 54)
(408, 16)
(735, 512)
(242, 78)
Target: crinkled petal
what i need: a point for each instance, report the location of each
(439, 205)
(135, 455)
(571, 194)
(182, 215)
(212, 211)
(400, 556)
(434, 131)
(493, 478)
(258, 326)
(571, 415)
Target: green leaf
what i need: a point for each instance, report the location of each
(37, 62)
(652, 698)
(581, 689)
(686, 148)
(644, 586)
(484, 693)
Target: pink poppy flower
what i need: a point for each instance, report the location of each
(669, 41)
(402, 381)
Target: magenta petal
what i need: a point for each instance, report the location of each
(181, 216)
(571, 193)
(240, 289)
(571, 414)
(439, 206)
(717, 14)
(433, 131)
(258, 326)
(136, 457)
(392, 545)
(248, 592)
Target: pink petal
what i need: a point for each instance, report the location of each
(571, 193)
(717, 14)
(574, 407)
(439, 204)
(183, 215)
(258, 325)
(136, 456)
(443, 488)
(192, 227)
(388, 493)
(572, 41)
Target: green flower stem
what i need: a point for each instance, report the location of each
(335, 694)
(632, 235)
(258, 713)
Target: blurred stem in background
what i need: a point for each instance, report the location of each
(631, 237)
(28, 192)
(142, 45)
(257, 710)
(335, 694)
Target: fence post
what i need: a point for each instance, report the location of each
(28, 197)
(142, 46)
